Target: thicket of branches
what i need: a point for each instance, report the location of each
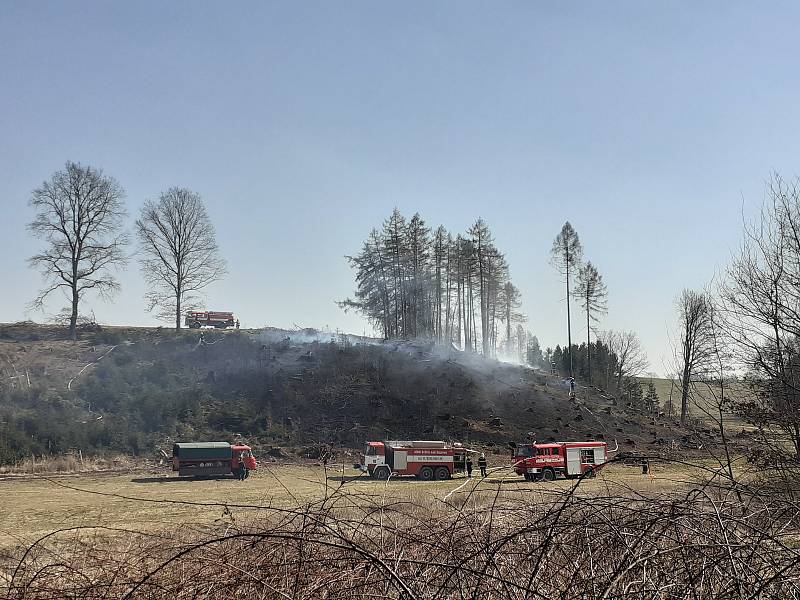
(758, 308)
(719, 538)
(414, 282)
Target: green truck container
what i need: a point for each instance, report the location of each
(210, 458)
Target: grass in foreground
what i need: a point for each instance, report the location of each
(292, 532)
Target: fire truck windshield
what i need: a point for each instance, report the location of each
(371, 450)
(527, 451)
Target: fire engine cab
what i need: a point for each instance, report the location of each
(427, 460)
(570, 459)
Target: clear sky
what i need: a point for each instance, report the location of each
(650, 126)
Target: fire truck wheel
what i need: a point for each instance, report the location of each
(442, 473)
(381, 473)
(195, 325)
(589, 473)
(528, 477)
(426, 473)
(548, 475)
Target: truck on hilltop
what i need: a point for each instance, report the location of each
(221, 320)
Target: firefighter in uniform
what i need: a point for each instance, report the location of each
(482, 464)
(242, 466)
(469, 466)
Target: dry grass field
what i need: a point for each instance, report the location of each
(35, 506)
(303, 531)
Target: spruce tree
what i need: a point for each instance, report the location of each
(566, 257)
(592, 293)
(651, 401)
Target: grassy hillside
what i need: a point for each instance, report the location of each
(702, 404)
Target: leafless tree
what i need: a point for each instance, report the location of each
(180, 256)
(593, 294)
(566, 256)
(760, 306)
(631, 358)
(79, 214)
(695, 343)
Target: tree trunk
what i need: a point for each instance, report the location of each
(685, 394)
(508, 325)
(458, 310)
(569, 327)
(588, 344)
(448, 334)
(73, 317)
(178, 311)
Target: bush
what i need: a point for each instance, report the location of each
(106, 337)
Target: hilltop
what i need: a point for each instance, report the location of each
(136, 390)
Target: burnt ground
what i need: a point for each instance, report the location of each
(294, 391)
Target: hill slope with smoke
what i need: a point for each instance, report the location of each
(137, 390)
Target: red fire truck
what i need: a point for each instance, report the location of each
(427, 460)
(570, 459)
(220, 320)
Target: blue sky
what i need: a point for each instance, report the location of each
(650, 126)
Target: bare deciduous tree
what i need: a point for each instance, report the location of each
(760, 307)
(79, 214)
(566, 256)
(180, 256)
(695, 342)
(592, 293)
(631, 358)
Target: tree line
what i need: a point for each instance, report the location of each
(616, 359)
(80, 217)
(413, 281)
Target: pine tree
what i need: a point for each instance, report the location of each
(418, 251)
(633, 391)
(413, 283)
(592, 293)
(509, 303)
(440, 254)
(651, 401)
(566, 257)
(558, 359)
(534, 354)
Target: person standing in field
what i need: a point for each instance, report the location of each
(482, 464)
(242, 467)
(469, 466)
